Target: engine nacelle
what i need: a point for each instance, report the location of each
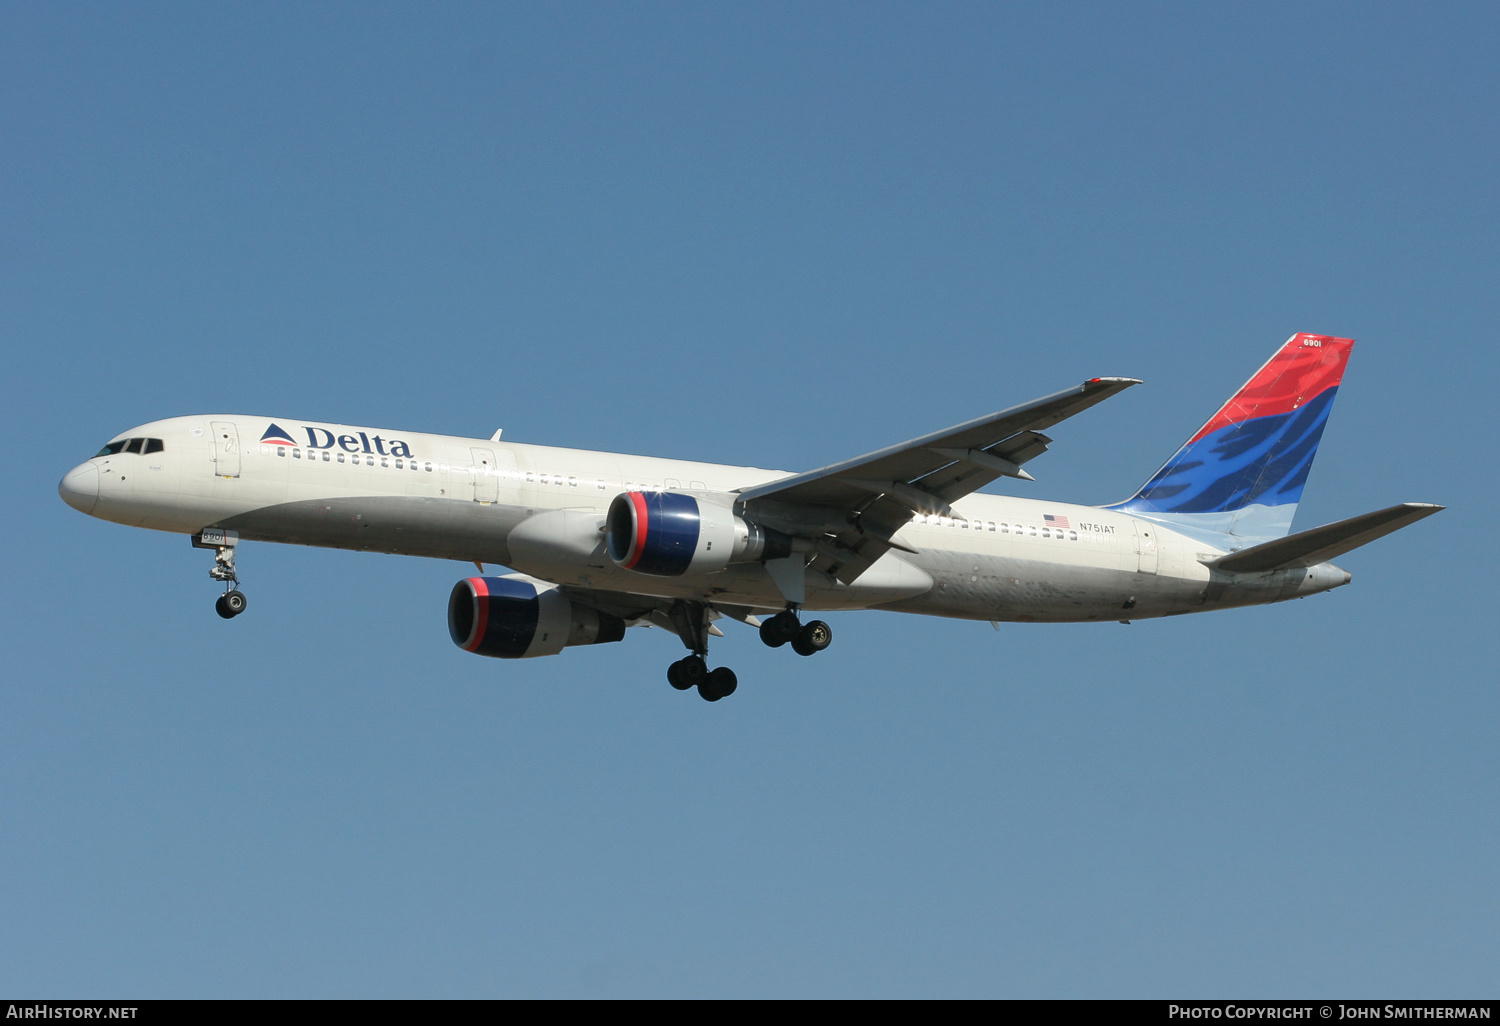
(669, 534)
(518, 618)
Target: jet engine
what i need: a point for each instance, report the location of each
(517, 618)
(669, 534)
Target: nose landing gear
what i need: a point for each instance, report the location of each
(233, 602)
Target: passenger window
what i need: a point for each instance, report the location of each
(281, 451)
(1046, 533)
(326, 457)
(384, 462)
(964, 524)
(427, 467)
(134, 445)
(340, 457)
(572, 482)
(1072, 536)
(154, 445)
(399, 465)
(296, 454)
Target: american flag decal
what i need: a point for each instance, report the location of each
(1052, 521)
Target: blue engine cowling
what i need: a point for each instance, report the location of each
(515, 617)
(669, 534)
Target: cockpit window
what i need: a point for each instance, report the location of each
(132, 445)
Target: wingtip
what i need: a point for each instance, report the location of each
(1122, 382)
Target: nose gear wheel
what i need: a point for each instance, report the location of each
(233, 602)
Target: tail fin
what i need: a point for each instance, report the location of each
(1242, 473)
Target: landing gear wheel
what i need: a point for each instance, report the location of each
(813, 638)
(780, 629)
(222, 609)
(235, 602)
(688, 672)
(718, 684)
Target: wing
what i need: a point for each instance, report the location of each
(649, 610)
(853, 508)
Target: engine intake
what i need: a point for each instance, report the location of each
(669, 534)
(517, 618)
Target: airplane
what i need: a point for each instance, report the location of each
(601, 541)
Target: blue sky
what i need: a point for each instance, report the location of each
(779, 235)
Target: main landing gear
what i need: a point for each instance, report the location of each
(805, 639)
(233, 602)
(691, 671)
(690, 619)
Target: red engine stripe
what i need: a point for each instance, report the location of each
(638, 503)
(481, 612)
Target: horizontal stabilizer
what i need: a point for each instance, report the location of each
(1309, 548)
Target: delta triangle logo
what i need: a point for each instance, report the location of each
(276, 436)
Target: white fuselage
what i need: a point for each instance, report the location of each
(540, 510)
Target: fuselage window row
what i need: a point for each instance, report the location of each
(1003, 528)
(385, 461)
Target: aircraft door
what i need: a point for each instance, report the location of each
(226, 449)
(1145, 546)
(486, 476)
(505, 475)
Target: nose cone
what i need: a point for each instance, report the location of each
(80, 488)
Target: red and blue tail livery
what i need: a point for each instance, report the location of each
(1242, 473)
